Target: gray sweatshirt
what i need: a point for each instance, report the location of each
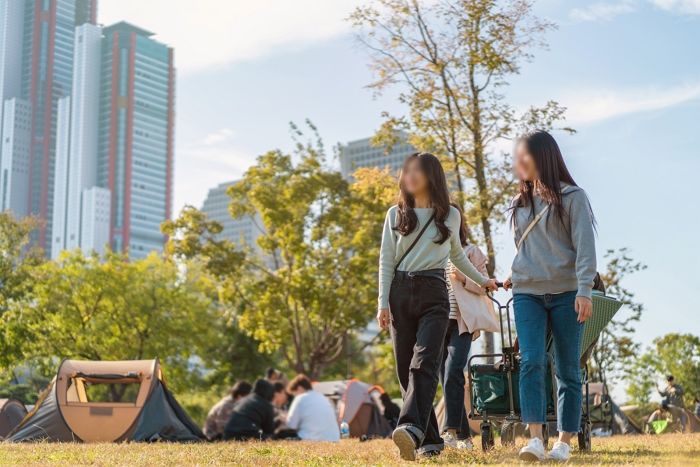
(425, 255)
(556, 258)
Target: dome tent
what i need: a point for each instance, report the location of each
(12, 412)
(357, 405)
(95, 401)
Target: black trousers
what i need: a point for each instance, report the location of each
(420, 310)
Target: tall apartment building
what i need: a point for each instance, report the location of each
(136, 125)
(361, 153)
(77, 148)
(243, 231)
(36, 65)
(14, 156)
(14, 111)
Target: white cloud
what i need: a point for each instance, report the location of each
(220, 136)
(209, 33)
(691, 7)
(602, 11)
(208, 161)
(590, 106)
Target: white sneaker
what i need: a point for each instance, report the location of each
(449, 440)
(533, 451)
(465, 444)
(560, 452)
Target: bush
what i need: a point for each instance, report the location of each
(24, 393)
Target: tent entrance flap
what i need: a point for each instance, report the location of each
(93, 390)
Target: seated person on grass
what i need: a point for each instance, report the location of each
(311, 414)
(220, 414)
(675, 417)
(254, 416)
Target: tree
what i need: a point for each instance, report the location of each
(15, 261)
(314, 280)
(195, 241)
(451, 60)
(616, 348)
(111, 308)
(673, 354)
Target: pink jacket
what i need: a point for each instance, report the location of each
(479, 260)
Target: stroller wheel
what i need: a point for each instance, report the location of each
(584, 437)
(487, 441)
(508, 434)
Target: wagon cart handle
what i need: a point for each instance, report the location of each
(501, 309)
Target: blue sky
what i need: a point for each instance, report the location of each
(628, 71)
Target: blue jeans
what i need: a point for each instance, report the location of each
(454, 359)
(534, 315)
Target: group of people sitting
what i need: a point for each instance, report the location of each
(672, 408)
(271, 409)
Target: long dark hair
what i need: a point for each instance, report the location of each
(551, 173)
(439, 196)
(463, 229)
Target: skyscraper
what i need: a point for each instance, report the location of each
(77, 148)
(11, 34)
(362, 153)
(14, 111)
(14, 159)
(243, 231)
(136, 136)
(36, 64)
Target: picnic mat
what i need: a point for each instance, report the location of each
(604, 308)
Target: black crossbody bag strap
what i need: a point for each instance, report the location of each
(420, 234)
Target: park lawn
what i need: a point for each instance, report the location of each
(632, 450)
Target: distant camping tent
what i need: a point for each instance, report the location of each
(105, 402)
(12, 412)
(358, 405)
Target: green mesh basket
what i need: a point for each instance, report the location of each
(604, 309)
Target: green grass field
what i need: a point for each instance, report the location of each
(680, 450)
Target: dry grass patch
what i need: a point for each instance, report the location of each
(631, 450)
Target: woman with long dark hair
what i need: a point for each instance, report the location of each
(552, 279)
(421, 233)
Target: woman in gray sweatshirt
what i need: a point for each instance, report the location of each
(552, 278)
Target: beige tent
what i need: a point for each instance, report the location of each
(12, 412)
(93, 401)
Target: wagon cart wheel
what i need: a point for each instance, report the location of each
(508, 434)
(545, 435)
(486, 436)
(584, 437)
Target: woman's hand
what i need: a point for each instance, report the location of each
(383, 318)
(490, 285)
(584, 308)
(508, 284)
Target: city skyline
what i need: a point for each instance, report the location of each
(87, 127)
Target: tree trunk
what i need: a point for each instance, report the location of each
(483, 194)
